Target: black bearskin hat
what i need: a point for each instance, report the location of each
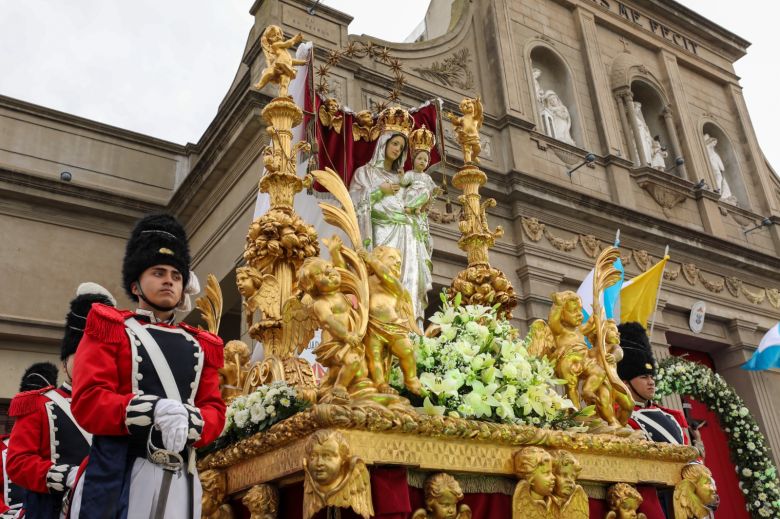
(39, 376)
(86, 294)
(157, 239)
(638, 358)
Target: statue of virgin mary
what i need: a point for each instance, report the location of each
(381, 208)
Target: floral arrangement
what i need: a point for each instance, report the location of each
(477, 367)
(749, 450)
(267, 405)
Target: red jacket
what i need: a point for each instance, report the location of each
(3, 506)
(102, 385)
(29, 450)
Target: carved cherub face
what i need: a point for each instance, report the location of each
(331, 105)
(467, 106)
(706, 491)
(572, 312)
(565, 480)
(444, 507)
(326, 461)
(364, 119)
(274, 34)
(612, 335)
(321, 276)
(542, 479)
(390, 258)
(421, 161)
(245, 283)
(627, 508)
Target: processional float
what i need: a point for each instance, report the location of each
(323, 458)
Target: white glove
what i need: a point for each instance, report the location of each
(170, 417)
(71, 478)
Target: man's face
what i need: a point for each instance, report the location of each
(161, 284)
(325, 462)
(643, 386)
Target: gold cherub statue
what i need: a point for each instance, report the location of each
(532, 498)
(341, 349)
(570, 498)
(259, 292)
(695, 496)
(233, 374)
(467, 128)
(442, 493)
(333, 477)
(262, 501)
(364, 127)
(390, 319)
(279, 64)
(330, 115)
(571, 351)
(212, 501)
(624, 500)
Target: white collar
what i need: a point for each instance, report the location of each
(153, 318)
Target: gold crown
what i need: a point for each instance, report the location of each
(421, 139)
(395, 119)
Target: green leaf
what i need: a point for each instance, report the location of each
(458, 299)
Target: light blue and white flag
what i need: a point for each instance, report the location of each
(767, 356)
(608, 299)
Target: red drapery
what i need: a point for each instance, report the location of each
(340, 152)
(717, 453)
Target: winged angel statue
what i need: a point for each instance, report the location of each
(279, 68)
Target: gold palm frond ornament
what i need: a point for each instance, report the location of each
(210, 304)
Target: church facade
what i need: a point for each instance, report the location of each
(600, 116)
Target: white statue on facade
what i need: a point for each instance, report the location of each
(658, 155)
(392, 207)
(645, 138)
(556, 117)
(538, 91)
(719, 170)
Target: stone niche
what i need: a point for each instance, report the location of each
(652, 107)
(554, 78)
(731, 168)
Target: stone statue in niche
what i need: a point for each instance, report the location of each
(538, 91)
(644, 139)
(658, 155)
(556, 117)
(719, 170)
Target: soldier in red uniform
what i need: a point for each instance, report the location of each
(37, 376)
(47, 445)
(637, 369)
(147, 388)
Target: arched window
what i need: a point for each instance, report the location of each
(724, 166)
(554, 97)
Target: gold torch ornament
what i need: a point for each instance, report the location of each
(479, 283)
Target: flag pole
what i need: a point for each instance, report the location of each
(658, 294)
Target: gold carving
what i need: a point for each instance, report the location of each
(213, 504)
(623, 500)
(330, 115)
(733, 285)
(533, 228)
(421, 139)
(642, 259)
(773, 295)
(671, 274)
(233, 373)
(690, 272)
(695, 496)
(364, 127)
(532, 498)
(569, 497)
(334, 477)
(395, 119)
(210, 305)
(712, 286)
(453, 72)
(262, 501)
(467, 128)
(754, 297)
(278, 62)
(590, 245)
(442, 493)
(560, 243)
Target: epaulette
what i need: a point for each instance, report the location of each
(212, 345)
(27, 402)
(106, 324)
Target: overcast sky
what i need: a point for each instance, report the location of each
(161, 67)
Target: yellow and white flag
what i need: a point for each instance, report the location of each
(639, 296)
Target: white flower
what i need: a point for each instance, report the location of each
(241, 418)
(747, 472)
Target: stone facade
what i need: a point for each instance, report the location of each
(599, 55)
